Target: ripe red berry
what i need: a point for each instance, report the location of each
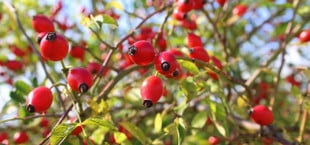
(161, 42)
(77, 129)
(94, 67)
(165, 62)
(39, 99)
(198, 4)
(41, 23)
(142, 52)
(292, 81)
(199, 53)
(176, 52)
(44, 122)
(193, 40)
(14, 65)
(3, 136)
(304, 36)
(213, 140)
(151, 90)
(20, 137)
(77, 52)
(126, 132)
(54, 47)
(17, 51)
(213, 75)
(79, 79)
(221, 2)
(185, 5)
(261, 115)
(216, 62)
(240, 10)
(189, 24)
(178, 15)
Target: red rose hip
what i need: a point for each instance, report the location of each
(39, 100)
(142, 52)
(79, 79)
(54, 47)
(261, 115)
(151, 90)
(165, 62)
(20, 137)
(41, 23)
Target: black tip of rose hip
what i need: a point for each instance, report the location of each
(250, 112)
(186, 1)
(83, 88)
(30, 108)
(165, 66)
(39, 40)
(51, 36)
(191, 50)
(175, 73)
(147, 103)
(132, 50)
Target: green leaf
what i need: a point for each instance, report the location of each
(17, 97)
(104, 19)
(181, 134)
(189, 66)
(22, 87)
(60, 133)
(296, 92)
(220, 128)
(199, 120)
(119, 137)
(134, 131)
(188, 87)
(181, 108)
(306, 104)
(176, 131)
(99, 122)
(158, 122)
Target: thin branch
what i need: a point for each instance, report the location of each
(217, 34)
(101, 40)
(30, 117)
(60, 120)
(220, 72)
(109, 86)
(282, 48)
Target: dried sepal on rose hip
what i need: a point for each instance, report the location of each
(165, 63)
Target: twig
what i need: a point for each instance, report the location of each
(29, 117)
(109, 86)
(220, 72)
(282, 48)
(58, 122)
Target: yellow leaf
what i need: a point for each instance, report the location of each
(115, 4)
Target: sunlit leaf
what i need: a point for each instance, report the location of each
(199, 119)
(119, 137)
(189, 66)
(220, 128)
(134, 131)
(115, 4)
(60, 133)
(158, 122)
(99, 122)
